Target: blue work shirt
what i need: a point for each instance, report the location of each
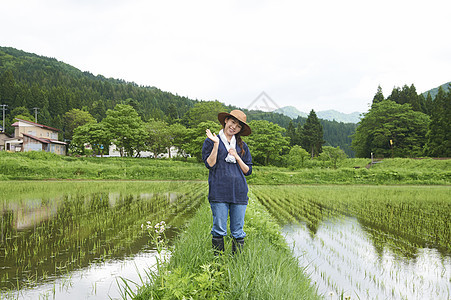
(226, 181)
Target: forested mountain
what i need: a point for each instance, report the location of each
(29, 81)
(434, 91)
(291, 112)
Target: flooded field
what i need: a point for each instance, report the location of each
(74, 239)
(368, 242)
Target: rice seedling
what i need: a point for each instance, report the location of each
(381, 237)
(79, 224)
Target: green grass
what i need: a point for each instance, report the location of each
(47, 166)
(266, 268)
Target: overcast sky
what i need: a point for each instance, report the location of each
(309, 54)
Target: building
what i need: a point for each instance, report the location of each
(115, 152)
(30, 136)
(3, 137)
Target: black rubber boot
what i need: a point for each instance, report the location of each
(237, 245)
(218, 245)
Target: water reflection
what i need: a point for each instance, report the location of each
(369, 241)
(43, 239)
(95, 281)
(343, 258)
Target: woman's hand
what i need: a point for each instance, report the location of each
(243, 166)
(212, 136)
(233, 152)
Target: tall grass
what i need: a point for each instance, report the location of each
(265, 269)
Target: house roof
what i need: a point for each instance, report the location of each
(33, 123)
(44, 141)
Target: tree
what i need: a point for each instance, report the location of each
(196, 137)
(298, 133)
(334, 155)
(291, 133)
(297, 157)
(179, 138)
(74, 118)
(100, 138)
(137, 106)
(427, 104)
(127, 129)
(80, 139)
(439, 132)
(312, 135)
(406, 95)
(379, 97)
(203, 112)
(391, 129)
(8, 89)
(38, 98)
(94, 134)
(158, 137)
(266, 142)
(18, 112)
(21, 113)
(172, 113)
(98, 110)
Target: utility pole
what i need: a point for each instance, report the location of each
(35, 114)
(3, 108)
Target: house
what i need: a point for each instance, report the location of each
(3, 137)
(30, 136)
(114, 151)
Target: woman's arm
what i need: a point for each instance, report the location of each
(211, 160)
(241, 163)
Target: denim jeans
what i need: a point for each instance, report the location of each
(220, 213)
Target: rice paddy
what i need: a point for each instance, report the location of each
(52, 230)
(368, 242)
(68, 239)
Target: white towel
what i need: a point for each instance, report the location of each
(232, 145)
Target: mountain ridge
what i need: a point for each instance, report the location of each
(434, 91)
(331, 114)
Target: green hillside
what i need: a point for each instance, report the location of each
(434, 91)
(291, 112)
(54, 87)
(330, 115)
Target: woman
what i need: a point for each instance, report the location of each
(228, 159)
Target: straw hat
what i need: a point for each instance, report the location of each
(240, 116)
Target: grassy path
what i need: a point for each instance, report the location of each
(266, 269)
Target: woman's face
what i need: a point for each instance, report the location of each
(231, 126)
